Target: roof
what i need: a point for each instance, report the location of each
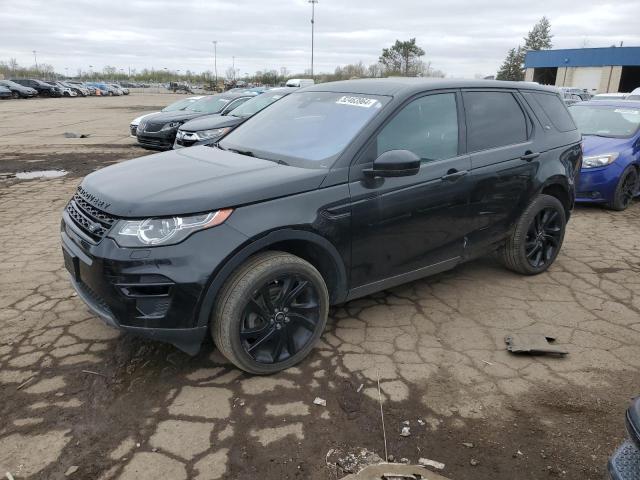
(394, 86)
(583, 57)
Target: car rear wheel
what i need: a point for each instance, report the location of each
(535, 243)
(627, 189)
(15, 94)
(270, 313)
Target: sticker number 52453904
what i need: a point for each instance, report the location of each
(357, 101)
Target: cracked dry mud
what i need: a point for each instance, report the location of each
(76, 393)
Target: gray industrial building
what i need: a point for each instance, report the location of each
(597, 70)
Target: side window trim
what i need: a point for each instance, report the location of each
(364, 150)
(514, 94)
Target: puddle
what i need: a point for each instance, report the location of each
(34, 174)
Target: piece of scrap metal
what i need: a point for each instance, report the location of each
(394, 471)
(533, 343)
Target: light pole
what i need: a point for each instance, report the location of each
(215, 62)
(35, 58)
(233, 67)
(313, 21)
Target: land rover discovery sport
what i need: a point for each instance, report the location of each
(332, 193)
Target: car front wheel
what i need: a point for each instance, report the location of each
(535, 242)
(626, 189)
(270, 313)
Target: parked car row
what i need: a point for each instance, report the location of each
(31, 87)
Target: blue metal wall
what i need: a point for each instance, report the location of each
(583, 57)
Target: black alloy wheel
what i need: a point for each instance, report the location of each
(543, 237)
(270, 312)
(626, 189)
(280, 319)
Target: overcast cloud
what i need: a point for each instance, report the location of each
(460, 37)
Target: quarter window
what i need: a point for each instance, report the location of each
(494, 119)
(427, 126)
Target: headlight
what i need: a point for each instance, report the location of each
(208, 134)
(595, 161)
(171, 125)
(164, 231)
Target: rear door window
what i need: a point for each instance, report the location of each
(555, 110)
(494, 119)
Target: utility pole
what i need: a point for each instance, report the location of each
(36, 60)
(233, 66)
(313, 21)
(215, 62)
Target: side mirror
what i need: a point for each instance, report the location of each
(395, 163)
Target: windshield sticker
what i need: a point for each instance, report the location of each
(357, 101)
(628, 112)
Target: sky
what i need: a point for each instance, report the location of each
(463, 38)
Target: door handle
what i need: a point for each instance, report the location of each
(529, 155)
(454, 175)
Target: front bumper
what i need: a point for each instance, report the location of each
(162, 140)
(598, 185)
(154, 293)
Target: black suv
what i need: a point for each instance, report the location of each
(334, 192)
(43, 89)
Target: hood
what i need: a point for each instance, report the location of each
(193, 180)
(593, 145)
(209, 122)
(136, 120)
(177, 116)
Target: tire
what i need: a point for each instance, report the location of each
(626, 189)
(536, 241)
(251, 324)
(15, 95)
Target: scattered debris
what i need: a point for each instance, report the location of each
(320, 401)
(91, 372)
(488, 363)
(352, 461)
(406, 422)
(474, 462)
(384, 430)
(467, 444)
(76, 135)
(71, 470)
(421, 422)
(393, 471)
(21, 386)
(405, 460)
(9, 476)
(425, 462)
(533, 343)
(360, 388)
(406, 432)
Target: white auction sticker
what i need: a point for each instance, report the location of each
(357, 101)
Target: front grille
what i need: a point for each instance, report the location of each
(93, 222)
(155, 142)
(151, 127)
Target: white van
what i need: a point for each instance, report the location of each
(299, 82)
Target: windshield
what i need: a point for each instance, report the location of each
(179, 105)
(606, 121)
(253, 106)
(308, 129)
(213, 104)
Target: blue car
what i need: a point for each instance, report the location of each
(611, 142)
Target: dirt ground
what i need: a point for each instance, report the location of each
(80, 400)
